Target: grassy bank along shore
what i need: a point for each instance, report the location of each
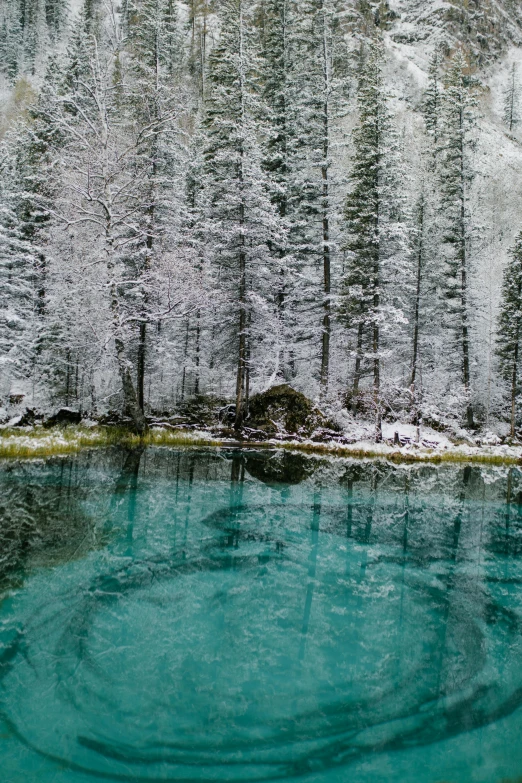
(38, 442)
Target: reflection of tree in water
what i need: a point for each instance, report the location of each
(506, 535)
(41, 523)
(279, 467)
(43, 517)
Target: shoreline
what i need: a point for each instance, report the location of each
(39, 443)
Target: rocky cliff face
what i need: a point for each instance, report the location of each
(487, 27)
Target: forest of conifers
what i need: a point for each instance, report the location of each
(212, 197)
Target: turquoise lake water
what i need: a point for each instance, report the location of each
(201, 615)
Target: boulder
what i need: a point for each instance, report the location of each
(64, 416)
(29, 418)
(284, 410)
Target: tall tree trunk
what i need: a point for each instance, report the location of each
(325, 348)
(185, 354)
(416, 313)
(203, 49)
(129, 394)
(247, 375)
(416, 316)
(377, 385)
(284, 364)
(142, 339)
(514, 377)
(149, 242)
(241, 358)
(41, 282)
(130, 398)
(68, 377)
(514, 390)
(376, 359)
(358, 368)
(141, 365)
(512, 99)
(463, 283)
(198, 348)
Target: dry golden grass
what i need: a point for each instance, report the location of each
(41, 443)
(395, 456)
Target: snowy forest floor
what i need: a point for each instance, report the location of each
(40, 442)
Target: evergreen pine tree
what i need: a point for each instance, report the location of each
(510, 327)
(16, 293)
(11, 41)
(27, 198)
(277, 22)
(199, 20)
(431, 105)
(315, 86)
(241, 222)
(27, 27)
(455, 176)
(511, 106)
(374, 232)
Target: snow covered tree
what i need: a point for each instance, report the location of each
(200, 20)
(421, 308)
(306, 81)
(101, 187)
(11, 41)
(56, 13)
(374, 231)
(26, 199)
(456, 173)
(16, 296)
(372, 15)
(511, 107)
(278, 94)
(510, 327)
(333, 99)
(156, 103)
(431, 104)
(27, 30)
(241, 223)
(418, 289)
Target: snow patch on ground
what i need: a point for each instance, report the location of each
(408, 432)
(410, 452)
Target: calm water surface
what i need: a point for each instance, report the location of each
(224, 616)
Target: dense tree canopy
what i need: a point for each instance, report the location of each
(204, 197)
